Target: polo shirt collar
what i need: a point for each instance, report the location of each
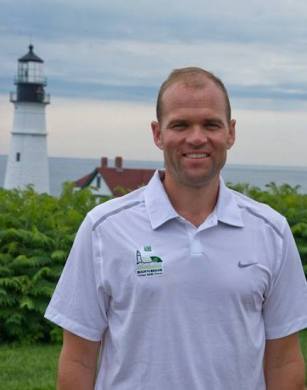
(160, 209)
(227, 209)
(158, 205)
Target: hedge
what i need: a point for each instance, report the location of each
(37, 231)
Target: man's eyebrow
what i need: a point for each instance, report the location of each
(177, 120)
(214, 119)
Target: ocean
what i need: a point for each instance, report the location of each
(64, 169)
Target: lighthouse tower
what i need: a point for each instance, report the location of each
(28, 160)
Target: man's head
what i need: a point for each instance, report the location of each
(193, 77)
(194, 127)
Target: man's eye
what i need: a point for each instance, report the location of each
(178, 126)
(212, 125)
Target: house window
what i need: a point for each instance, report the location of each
(98, 181)
(17, 156)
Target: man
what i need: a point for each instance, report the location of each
(183, 284)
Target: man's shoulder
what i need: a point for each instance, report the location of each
(114, 206)
(260, 211)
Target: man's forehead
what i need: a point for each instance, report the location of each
(182, 92)
(190, 82)
(183, 100)
(202, 86)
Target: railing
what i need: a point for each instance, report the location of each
(45, 99)
(13, 97)
(31, 80)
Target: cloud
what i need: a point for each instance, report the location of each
(95, 128)
(270, 137)
(143, 20)
(123, 49)
(92, 128)
(105, 61)
(95, 69)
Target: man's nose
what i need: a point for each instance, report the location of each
(197, 136)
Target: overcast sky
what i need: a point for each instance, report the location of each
(105, 60)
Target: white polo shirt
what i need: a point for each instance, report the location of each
(181, 307)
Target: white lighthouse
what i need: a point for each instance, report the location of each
(28, 158)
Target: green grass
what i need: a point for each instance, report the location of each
(28, 367)
(303, 339)
(34, 367)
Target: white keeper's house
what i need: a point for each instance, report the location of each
(114, 181)
(28, 158)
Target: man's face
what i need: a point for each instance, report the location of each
(194, 134)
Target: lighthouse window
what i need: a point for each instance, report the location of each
(17, 156)
(35, 72)
(23, 72)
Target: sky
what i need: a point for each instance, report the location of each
(105, 60)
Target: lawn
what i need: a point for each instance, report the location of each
(28, 367)
(303, 338)
(34, 367)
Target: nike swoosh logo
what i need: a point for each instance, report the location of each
(242, 264)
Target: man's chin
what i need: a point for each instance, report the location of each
(191, 178)
(197, 181)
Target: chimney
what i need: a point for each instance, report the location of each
(119, 164)
(104, 162)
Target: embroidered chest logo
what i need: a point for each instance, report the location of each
(148, 264)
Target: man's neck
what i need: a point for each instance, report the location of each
(194, 204)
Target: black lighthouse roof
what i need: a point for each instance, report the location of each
(30, 56)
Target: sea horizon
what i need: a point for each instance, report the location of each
(64, 169)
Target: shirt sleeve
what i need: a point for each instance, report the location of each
(79, 303)
(285, 308)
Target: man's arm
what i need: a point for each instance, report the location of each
(284, 364)
(77, 363)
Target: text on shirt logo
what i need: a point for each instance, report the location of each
(148, 264)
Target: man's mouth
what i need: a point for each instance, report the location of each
(196, 155)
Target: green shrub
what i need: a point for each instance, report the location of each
(36, 234)
(288, 201)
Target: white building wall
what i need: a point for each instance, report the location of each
(29, 118)
(28, 157)
(99, 187)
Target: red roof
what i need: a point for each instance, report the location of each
(86, 180)
(118, 180)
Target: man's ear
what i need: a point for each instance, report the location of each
(156, 132)
(232, 133)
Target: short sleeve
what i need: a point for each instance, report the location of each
(285, 308)
(79, 303)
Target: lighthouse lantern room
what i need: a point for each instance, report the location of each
(28, 158)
